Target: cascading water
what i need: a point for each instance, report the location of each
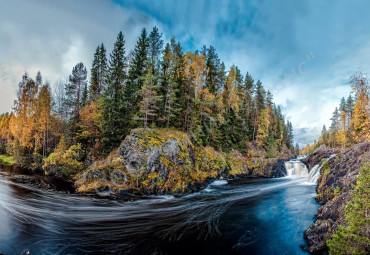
(296, 168)
(315, 171)
(314, 174)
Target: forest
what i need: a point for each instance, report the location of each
(350, 123)
(82, 119)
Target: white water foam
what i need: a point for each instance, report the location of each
(219, 182)
(315, 171)
(295, 168)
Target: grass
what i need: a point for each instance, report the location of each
(6, 160)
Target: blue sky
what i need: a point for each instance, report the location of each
(303, 51)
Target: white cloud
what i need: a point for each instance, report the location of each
(268, 39)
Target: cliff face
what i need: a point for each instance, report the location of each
(334, 186)
(167, 162)
(321, 153)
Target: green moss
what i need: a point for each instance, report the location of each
(336, 192)
(194, 165)
(6, 160)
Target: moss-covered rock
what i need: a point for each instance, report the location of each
(157, 161)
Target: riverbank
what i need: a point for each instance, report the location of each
(335, 185)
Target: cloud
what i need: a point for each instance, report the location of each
(54, 36)
(303, 51)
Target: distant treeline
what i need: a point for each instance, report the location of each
(350, 123)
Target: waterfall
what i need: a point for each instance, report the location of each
(314, 174)
(315, 171)
(296, 168)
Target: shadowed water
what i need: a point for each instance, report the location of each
(251, 216)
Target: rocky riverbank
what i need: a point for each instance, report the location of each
(167, 162)
(333, 190)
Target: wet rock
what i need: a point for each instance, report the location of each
(334, 187)
(275, 168)
(321, 153)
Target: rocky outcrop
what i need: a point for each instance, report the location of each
(167, 162)
(275, 168)
(334, 186)
(321, 153)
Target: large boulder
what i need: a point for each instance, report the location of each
(154, 162)
(157, 161)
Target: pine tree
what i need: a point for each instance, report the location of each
(138, 68)
(179, 82)
(148, 105)
(324, 135)
(290, 134)
(349, 110)
(116, 76)
(342, 105)
(259, 101)
(168, 109)
(155, 45)
(113, 118)
(74, 90)
(94, 83)
(353, 237)
(215, 70)
(334, 127)
(98, 73)
(75, 95)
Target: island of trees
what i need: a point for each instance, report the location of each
(85, 117)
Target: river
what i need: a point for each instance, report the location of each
(248, 216)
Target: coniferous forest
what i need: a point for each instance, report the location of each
(151, 144)
(155, 86)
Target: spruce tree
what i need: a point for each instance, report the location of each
(155, 45)
(113, 119)
(179, 82)
(216, 70)
(74, 89)
(138, 68)
(334, 127)
(98, 73)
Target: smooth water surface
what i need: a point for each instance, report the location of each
(250, 216)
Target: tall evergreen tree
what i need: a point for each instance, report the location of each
(168, 106)
(335, 120)
(215, 70)
(74, 89)
(138, 68)
(113, 117)
(155, 45)
(98, 73)
(179, 82)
